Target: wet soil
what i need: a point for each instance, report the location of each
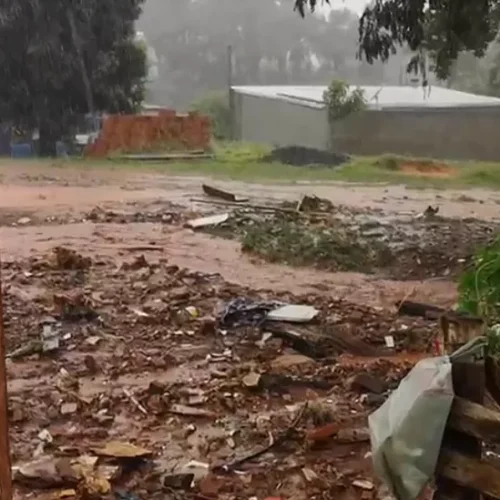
(150, 326)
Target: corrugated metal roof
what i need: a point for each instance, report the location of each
(378, 97)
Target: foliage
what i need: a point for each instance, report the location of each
(341, 101)
(61, 58)
(479, 285)
(216, 107)
(444, 29)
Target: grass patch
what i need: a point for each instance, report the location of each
(243, 161)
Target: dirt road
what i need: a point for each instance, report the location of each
(152, 326)
(47, 193)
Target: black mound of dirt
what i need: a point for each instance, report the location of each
(299, 156)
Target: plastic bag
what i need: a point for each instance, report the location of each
(407, 430)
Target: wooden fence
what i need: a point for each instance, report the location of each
(464, 471)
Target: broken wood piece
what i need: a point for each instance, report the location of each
(419, 309)
(470, 472)
(475, 420)
(458, 329)
(143, 248)
(118, 449)
(189, 411)
(219, 193)
(211, 220)
(136, 403)
(264, 208)
(295, 341)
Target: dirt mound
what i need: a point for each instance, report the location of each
(419, 167)
(428, 169)
(299, 156)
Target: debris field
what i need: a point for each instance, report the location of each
(133, 377)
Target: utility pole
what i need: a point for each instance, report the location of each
(230, 94)
(5, 467)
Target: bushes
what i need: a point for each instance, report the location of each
(216, 107)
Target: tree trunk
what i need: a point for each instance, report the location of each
(48, 137)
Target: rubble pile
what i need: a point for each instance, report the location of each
(139, 379)
(314, 232)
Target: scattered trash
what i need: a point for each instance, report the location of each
(293, 314)
(192, 311)
(272, 442)
(69, 408)
(288, 360)
(30, 348)
(50, 338)
(251, 380)
(246, 312)
(189, 411)
(46, 472)
(219, 193)
(118, 449)
(93, 340)
(389, 341)
(211, 220)
(135, 402)
(294, 340)
(314, 204)
(309, 474)
(363, 484)
(407, 430)
(23, 221)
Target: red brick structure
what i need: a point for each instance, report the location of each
(163, 132)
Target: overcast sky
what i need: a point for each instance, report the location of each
(355, 5)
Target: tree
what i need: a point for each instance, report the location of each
(444, 28)
(60, 59)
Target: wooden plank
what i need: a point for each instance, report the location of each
(493, 378)
(468, 383)
(475, 420)
(470, 472)
(5, 467)
(219, 193)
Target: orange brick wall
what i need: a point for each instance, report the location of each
(166, 131)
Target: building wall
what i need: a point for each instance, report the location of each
(449, 133)
(454, 133)
(279, 123)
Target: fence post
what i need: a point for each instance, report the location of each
(5, 467)
(468, 383)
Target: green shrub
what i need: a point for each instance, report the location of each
(216, 107)
(341, 102)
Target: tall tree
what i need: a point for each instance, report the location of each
(444, 27)
(61, 58)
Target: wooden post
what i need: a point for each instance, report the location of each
(5, 468)
(469, 384)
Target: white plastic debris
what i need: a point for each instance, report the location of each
(293, 314)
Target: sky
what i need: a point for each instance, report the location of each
(355, 5)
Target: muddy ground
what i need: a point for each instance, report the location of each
(145, 357)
